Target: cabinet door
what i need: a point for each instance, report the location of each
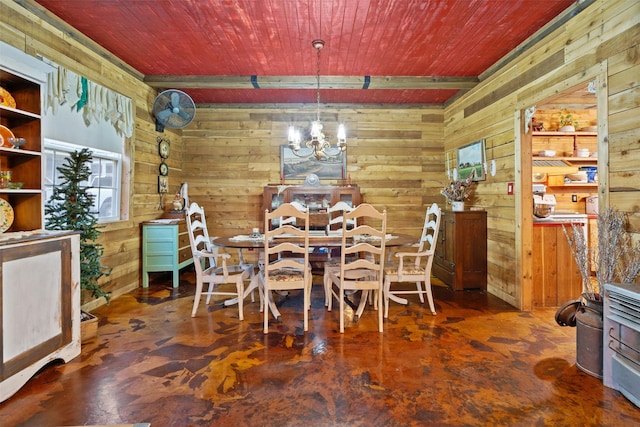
(36, 303)
(443, 263)
(471, 250)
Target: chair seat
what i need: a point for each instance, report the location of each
(406, 271)
(286, 275)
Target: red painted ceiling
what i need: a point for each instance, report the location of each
(446, 38)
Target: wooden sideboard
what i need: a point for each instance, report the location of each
(318, 199)
(165, 247)
(40, 300)
(460, 258)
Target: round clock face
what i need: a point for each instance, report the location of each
(164, 169)
(163, 148)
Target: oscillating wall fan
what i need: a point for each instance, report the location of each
(173, 109)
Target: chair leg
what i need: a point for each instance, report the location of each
(196, 299)
(378, 295)
(307, 303)
(427, 288)
(266, 310)
(328, 286)
(341, 302)
(210, 289)
(325, 283)
(420, 291)
(387, 286)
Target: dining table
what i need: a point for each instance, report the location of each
(317, 241)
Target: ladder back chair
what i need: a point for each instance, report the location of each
(362, 259)
(332, 265)
(211, 266)
(286, 263)
(415, 266)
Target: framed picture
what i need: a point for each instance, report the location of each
(163, 184)
(298, 167)
(472, 157)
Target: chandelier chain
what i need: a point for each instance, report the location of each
(318, 85)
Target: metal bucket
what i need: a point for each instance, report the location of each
(589, 325)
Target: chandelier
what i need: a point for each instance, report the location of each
(314, 138)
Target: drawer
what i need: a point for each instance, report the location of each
(183, 240)
(184, 254)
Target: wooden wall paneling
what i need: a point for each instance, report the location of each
(37, 37)
(249, 137)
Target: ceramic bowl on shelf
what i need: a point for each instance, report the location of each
(580, 176)
(17, 142)
(15, 185)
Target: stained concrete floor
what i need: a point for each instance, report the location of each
(477, 362)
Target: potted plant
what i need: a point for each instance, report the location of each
(70, 208)
(567, 123)
(458, 191)
(616, 258)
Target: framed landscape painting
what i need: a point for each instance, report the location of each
(298, 167)
(472, 157)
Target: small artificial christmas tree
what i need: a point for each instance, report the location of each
(69, 208)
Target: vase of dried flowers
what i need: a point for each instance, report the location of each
(458, 191)
(617, 260)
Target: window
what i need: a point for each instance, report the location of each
(103, 183)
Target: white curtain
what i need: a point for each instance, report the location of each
(96, 102)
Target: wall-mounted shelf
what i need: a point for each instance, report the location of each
(25, 163)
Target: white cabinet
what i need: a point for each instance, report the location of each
(40, 303)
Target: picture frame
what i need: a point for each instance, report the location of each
(163, 184)
(294, 166)
(472, 157)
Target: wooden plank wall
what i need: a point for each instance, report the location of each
(394, 154)
(600, 41)
(39, 34)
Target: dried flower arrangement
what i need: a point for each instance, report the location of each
(616, 257)
(459, 191)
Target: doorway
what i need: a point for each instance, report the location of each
(587, 104)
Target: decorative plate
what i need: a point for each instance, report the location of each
(312, 180)
(164, 169)
(6, 215)
(5, 134)
(6, 98)
(163, 149)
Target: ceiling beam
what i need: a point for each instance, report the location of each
(309, 82)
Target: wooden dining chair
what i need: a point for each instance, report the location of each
(216, 273)
(332, 265)
(362, 259)
(286, 265)
(415, 266)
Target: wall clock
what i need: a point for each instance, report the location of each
(164, 169)
(163, 148)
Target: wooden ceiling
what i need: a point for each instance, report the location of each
(259, 51)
